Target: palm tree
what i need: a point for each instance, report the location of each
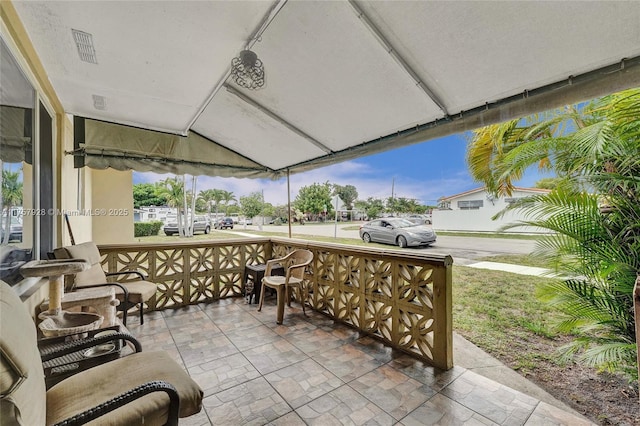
(173, 190)
(500, 153)
(208, 196)
(218, 196)
(594, 214)
(11, 196)
(189, 205)
(227, 197)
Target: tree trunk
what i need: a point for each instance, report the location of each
(187, 231)
(7, 226)
(193, 203)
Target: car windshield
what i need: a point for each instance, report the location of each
(401, 223)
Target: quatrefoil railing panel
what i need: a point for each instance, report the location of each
(400, 297)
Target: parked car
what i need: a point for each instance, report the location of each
(227, 222)
(200, 224)
(399, 231)
(420, 219)
(15, 230)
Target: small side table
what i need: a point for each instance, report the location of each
(252, 279)
(60, 368)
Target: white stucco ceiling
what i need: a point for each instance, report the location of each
(336, 87)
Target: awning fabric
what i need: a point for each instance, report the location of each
(343, 79)
(128, 148)
(15, 130)
(121, 147)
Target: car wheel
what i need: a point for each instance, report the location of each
(402, 241)
(207, 230)
(366, 238)
(231, 227)
(168, 234)
(428, 222)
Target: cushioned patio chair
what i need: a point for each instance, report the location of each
(294, 264)
(146, 388)
(140, 291)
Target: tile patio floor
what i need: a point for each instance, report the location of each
(311, 370)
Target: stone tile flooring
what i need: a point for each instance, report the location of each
(310, 370)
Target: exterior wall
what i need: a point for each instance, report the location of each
(33, 291)
(112, 200)
(480, 220)
(75, 195)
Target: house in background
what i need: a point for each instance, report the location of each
(473, 211)
(153, 213)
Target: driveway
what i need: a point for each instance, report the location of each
(464, 250)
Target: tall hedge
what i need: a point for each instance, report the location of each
(145, 229)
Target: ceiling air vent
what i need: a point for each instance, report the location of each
(99, 102)
(84, 42)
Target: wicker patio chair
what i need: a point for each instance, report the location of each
(294, 264)
(139, 291)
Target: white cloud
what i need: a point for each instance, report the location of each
(368, 181)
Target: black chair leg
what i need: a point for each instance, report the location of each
(141, 313)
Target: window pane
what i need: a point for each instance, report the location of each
(17, 218)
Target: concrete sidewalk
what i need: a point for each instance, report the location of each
(516, 269)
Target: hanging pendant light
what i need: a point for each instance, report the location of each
(247, 70)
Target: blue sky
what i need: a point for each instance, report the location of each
(424, 171)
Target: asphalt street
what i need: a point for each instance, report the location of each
(464, 250)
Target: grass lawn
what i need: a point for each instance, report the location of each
(499, 312)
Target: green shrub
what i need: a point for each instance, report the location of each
(145, 229)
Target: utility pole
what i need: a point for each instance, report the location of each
(393, 184)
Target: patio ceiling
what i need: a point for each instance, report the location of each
(343, 78)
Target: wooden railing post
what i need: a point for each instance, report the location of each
(443, 317)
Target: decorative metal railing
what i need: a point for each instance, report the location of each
(402, 298)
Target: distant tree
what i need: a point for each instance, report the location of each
(251, 205)
(280, 212)
(268, 209)
(548, 183)
(404, 205)
(207, 196)
(372, 207)
(315, 198)
(201, 205)
(227, 197)
(348, 194)
(11, 196)
(298, 215)
(147, 194)
(216, 197)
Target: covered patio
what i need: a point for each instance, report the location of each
(313, 370)
(97, 89)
